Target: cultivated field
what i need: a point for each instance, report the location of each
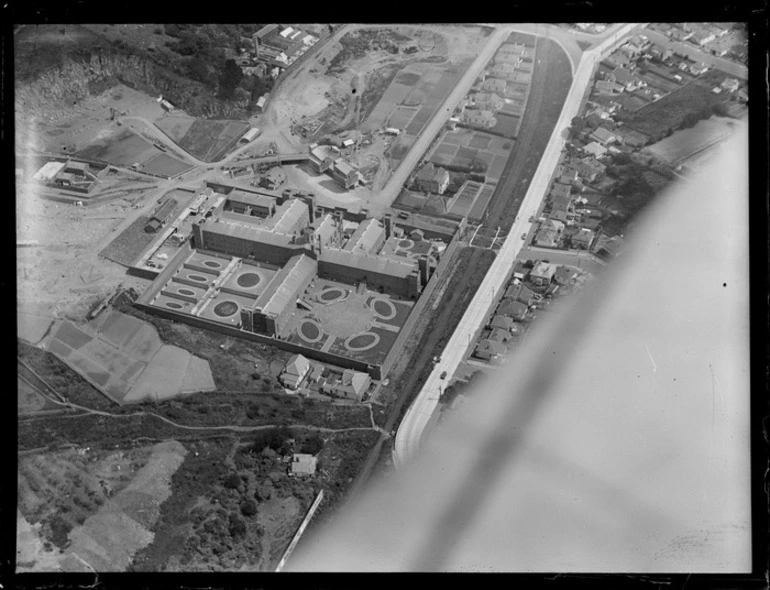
(685, 143)
(125, 358)
(466, 149)
(667, 114)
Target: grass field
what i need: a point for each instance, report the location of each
(211, 140)
(667, 114)
(127, 247)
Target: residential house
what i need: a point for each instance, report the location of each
(562, 202)
(480, 118)
(698, 68)
(546, 237)
(590, 169)
(595, 149)
(565, 275)
(681, 35)
(560, 215)
(502, 70)
(522, 294)
(500, 335)
(542, 273)
(606, 247)
(582, 239)
(353, 385)
(494, 85)
(520, 270)
(702, 37)
(631, 137)
(603, 136)
(303, 465)
(432, 179)
(628, 79)
(607, 87)
(488, 101)
(296, 369)
(489, 350)
(512, 309)
(501, 322)
(616, 60)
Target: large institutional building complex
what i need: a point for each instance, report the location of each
(271, 265)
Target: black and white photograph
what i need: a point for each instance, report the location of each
(386, 297)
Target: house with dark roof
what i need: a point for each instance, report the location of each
(432, 179)
(582, 239)
(500, 335)
(628, 79)
(352, 385)
(608, 87)
(522, 294)
(512, 309)
(616, 59)
(565, 275)
(603, 136)
(631, 137)
(520, 270)
(490, 350)
(501, 322)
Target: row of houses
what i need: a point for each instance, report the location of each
(300, 373)
(719, 39)
(518, 303)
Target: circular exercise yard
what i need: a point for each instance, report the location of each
(248, 279)
(225, 309)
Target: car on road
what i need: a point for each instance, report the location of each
(443, 375)
(531, 218)
(523, 236)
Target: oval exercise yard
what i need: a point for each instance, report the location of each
(248, 279)
(363, 341)
(332, 294)
(383, 309)
(226, 308)
(309, 331)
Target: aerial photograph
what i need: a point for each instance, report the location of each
(264, 270)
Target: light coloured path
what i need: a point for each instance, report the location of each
(420, 412)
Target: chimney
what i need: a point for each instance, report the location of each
(423, 265)
(388, 222)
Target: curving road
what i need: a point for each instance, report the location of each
(411, 430)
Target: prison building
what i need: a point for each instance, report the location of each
(396, 277)
(250, 204)
(244, 241)
(290, 218)
(274, 306)
(160, 216)
(369, 237)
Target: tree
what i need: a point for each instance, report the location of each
(232, 481)
(248, 507)
(312, 445)
(237, 526)
(230, 78)
(198, 69)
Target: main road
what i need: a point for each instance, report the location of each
(417, 417)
